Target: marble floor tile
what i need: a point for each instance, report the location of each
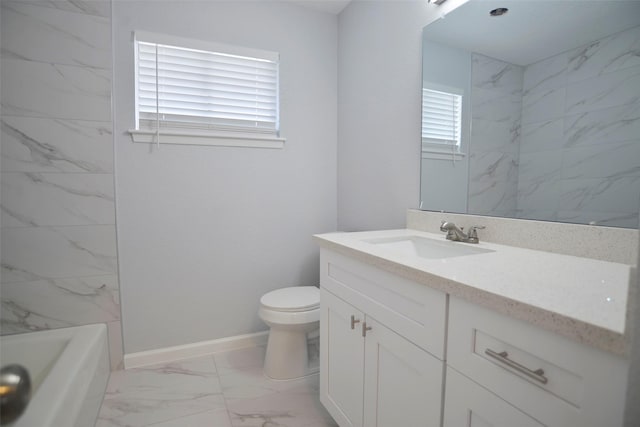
(215, 418)
(294, 408)
(226, 389)
(241, 376)
(161, 393)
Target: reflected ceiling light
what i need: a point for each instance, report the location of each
(499, 11)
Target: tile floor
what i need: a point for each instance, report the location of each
(221, 390)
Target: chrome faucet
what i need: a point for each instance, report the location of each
(457, 234)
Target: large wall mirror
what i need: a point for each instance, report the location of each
(533, 113)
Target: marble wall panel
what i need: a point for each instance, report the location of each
(496, 105)
(86, 7)
(587, 115)
(538, 196)
(55, 36)
(607, 219)
(602, 127)
(609, 90)
(537, 214)
(114, 331)
(613, 53)
(38, 89)
(496, 76)
(59, 303)
(493, 165)
(488, 135)
(32, 144)
(542, 136)
(496, 198)
(543, 105)
(58, 241)
(607, 161)
(618, 194)
(492, 183)
(43, 199)
(36, 253)
(540, 166)
(504, 109)
(545, 75)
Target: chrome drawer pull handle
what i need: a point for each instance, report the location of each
(503, 357)
(354, 321)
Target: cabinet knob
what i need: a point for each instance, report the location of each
(365, 328)
(354, 321)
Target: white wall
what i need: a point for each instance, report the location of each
(203, 232)
(379, 101)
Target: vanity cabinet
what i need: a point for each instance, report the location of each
(553, 380)
(467, 404)
(398, 353)
(372, 372)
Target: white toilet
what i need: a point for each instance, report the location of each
(291, 313)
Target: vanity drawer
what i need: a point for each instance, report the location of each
(410, 309)
(554, 380)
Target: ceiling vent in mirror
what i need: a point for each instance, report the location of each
(438, 2)
(499, 11)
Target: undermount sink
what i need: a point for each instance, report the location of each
(427, 248)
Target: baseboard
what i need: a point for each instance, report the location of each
(202, 348)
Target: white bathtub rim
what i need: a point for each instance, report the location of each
(52, 405)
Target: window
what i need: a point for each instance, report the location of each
(217, 94)
(441, 121)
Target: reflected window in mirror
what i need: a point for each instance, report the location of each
(441, 120)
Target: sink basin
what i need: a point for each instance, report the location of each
(427, 248)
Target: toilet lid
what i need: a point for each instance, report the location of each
(296, 298)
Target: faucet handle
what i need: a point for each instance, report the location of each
(473, 234)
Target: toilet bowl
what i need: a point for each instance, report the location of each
(291, 313)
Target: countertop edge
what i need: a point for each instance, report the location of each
(576, 330)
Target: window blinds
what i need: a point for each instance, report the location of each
(179, 87)
(441, 117)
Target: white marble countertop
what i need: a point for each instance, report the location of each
(580, 298)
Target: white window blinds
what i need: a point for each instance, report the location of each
(441, 118)
(184, 87)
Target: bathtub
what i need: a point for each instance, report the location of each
(69, 369)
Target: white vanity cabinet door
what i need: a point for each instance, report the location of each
(412, 310)
(469, 405)
(402, 382)
(376, 377)
(341, 360)
(392, 374)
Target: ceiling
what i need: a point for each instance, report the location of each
(523, 35)
(329, 6)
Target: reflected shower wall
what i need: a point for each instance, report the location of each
(559, 139)
(496, 105)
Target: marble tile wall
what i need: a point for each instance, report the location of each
(58, 238)
(580, 144)
(496, 103)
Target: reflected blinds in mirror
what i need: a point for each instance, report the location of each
(441, 119)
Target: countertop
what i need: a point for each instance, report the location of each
(580, 298)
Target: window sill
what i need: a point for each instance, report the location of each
(208, 138)
(442, 155)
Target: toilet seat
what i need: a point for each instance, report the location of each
(292, 300)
